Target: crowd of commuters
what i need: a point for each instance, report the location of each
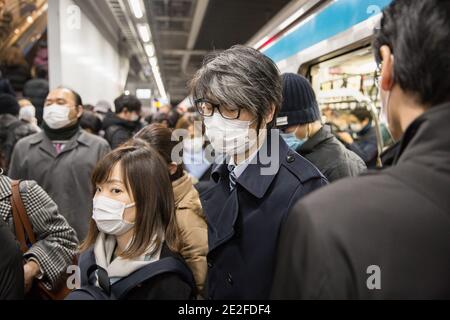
(249, 194)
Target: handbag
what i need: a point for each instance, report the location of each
(25, 236)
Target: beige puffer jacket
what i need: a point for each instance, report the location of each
(194, 230)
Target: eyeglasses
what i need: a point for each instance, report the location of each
(207, 108)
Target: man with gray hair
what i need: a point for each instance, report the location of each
(238, 93)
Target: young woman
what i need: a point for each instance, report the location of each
(189, 214)
(134, 225)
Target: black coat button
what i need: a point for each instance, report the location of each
(290, 158)
(210, 265)
(230, 279)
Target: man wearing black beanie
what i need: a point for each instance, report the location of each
(303, 131)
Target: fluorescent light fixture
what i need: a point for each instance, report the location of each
(154, 63)
(136, 7)
(144, 32)
(150, 49)
(143, 94)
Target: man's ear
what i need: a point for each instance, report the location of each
(79, 111)
(271, 115)
(387, 68)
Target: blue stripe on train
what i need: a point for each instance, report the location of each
(339, 16)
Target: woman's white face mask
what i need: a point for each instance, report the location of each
(27, 113)
(108, 215)
(230, 137)
(57, 116)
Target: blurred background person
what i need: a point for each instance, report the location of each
(365, 142)
(172, 117)
(27, 114)
(36, 90)
(195, 154)
(15, 68)
(6, 21)
(121, 126)
(5, 86)
(161, 118)
(102, 109)
(12, 129)
(91, 122)
(88, 107)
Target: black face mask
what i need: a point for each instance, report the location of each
(62, 134)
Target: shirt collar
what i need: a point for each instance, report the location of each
(251, 177)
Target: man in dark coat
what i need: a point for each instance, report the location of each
(260, 179)
(386, 235)
(11, 266)
(303, 132)
(121, 126)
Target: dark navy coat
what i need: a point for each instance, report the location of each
(243, 225)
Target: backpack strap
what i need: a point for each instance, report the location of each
(166, 265)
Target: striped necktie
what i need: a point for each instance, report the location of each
(233, 178)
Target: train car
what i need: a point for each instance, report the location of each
(329, 42)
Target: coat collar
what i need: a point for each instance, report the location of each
(321, 136)
(46, 144)
(258, 187)
(427, 137)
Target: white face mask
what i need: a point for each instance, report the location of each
(135, 117)
(108, 215)
(57, 116)
(230, 137)
(27, 113)
(193, 145)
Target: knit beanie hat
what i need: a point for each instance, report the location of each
(9, 105)
(299, 102)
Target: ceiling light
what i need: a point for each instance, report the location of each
(136, 7)
(150, 49)
(153, 62)
(144, 32)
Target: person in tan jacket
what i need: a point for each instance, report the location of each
(190, 218)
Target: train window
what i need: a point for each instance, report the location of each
(354, 71)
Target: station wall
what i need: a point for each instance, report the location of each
(80, 57)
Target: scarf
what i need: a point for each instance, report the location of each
(63, 134)
(119, 268)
